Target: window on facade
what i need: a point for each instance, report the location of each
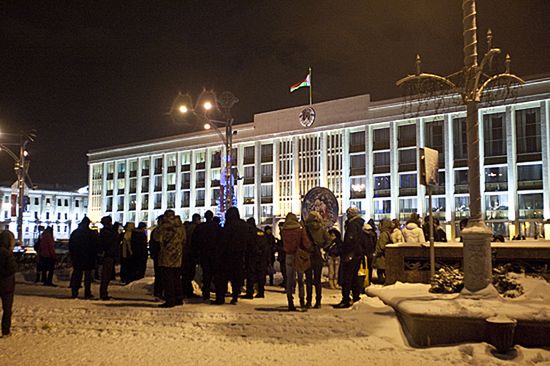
(266, 214)
(407, 184)
(121, 169)
(48, 214)
(145, 166)
(158, 165)
(133, 185)
(200, 160)
(494, 135)
(249, 155)
(185, 199)
(248, 174)
(171, 200)
(266, 191)
(66, 216)
(59, 216)
(382, 187)
(496, 179)
(77, 203)
(407, 159)
(200, 182)
(460, 144)
(461, 181)
(462, 207)
(214, 197)
(144, 201)
(435, 139)
(108, 206)
(121, 183)
(249, 211)
(59, 202)
(199, 199)
(145, 184)
(267, 173)
(406, 207)
(120, 203)
(249, 194)
(530, 176)
(438, 207)
(382, 208)
(132, 202)
(381, 162)
(381, 139)
(133, 168)
(528, 131)
(407, 135)
(531, 206)
(66, 203)
(358, 188)
(110, 170)
(171, 162)
(158, 184)
(216, 159)
(496, 206)
(35, 215)
(37, 201)
(186, 180)
(171, 182)
(267, 153)
(186, 161)
(357, 141)
(157, 203)
(215, 177)
(357, 164)
(97, 171)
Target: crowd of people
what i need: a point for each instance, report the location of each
(237, 253)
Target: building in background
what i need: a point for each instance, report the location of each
(364, 151)
(55, 205)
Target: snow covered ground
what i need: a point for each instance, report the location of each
(49, 328)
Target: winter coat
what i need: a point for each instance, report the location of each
(109, 242)
(154, 244)
(47, 246)
(258, 255)
(294, 235)
(8, 265)
(139, 244)
(384, 239)
(83, 247)
(440, 234)
(319, 236)
(397, 236)
(206, 240)
(413, 234)
(355, 240)
(236, 234)
(172, 240)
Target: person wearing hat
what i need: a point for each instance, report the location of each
(353, 249)
(83, 251)
(109, 244)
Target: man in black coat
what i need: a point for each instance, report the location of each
(8, 266)
(354, 249)
(109, 244)
(257, 260)
(154, 250)
(206, 240)
(83, 251)
(236, 237)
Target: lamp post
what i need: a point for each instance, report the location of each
(207, 104)
(21, 170)
(473, 82)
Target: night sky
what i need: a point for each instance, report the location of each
(92, 74)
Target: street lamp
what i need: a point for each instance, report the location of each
(208, 106)
(21, 170)
(472, 83)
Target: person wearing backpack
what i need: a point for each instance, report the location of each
(8, 267)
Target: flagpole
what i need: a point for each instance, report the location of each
(310, 100)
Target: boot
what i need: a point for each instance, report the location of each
(332, 284)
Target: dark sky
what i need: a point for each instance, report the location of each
(91, 74)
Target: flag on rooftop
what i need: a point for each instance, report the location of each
(301, 84)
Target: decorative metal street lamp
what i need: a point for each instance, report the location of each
(473, 83)
(208, 105)
(21, 170)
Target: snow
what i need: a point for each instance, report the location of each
(49, 328)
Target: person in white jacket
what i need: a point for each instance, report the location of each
(413, 233)
(396, 234)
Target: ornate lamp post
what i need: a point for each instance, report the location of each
(471, 83)
(21, 170)
(207, 104)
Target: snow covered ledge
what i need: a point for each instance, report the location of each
(438, 319)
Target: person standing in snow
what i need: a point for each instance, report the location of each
(206, 239)
(354, 249)
(8, 266)
(172, 240)
(154, 249)
(368, 229)
(333, 257)
(236, 237)
(412, 231)
(272, 245)
(320, 240)
(139, 250)
(126, 260)
(258, 256)
(190, 257)
(83, 251)
(47, 256)
(294, 236)
(109, 245)
(396, 234)
(380, 253)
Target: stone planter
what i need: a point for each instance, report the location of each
(501, 333)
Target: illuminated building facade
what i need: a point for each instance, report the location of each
(365, 151)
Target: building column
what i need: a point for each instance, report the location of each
(510, 122)
(545, 139)
(369, 179)
(257, 180)
(276, 200)
(394, 172)
(420, 189)
(345, 171)
(296, 176)
(449, 170)
(323, 181)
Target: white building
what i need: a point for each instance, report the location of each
(364, 151)
(48, 206)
